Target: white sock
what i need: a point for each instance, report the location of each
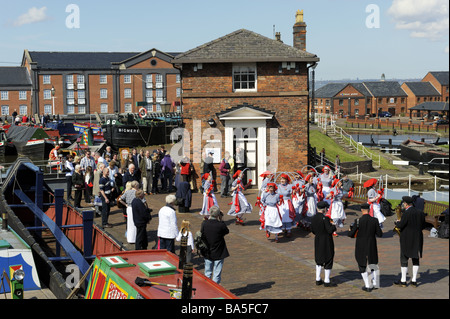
(415, 270)
(327, 275)
(318, 271)
(375, 275)
(404, 272)
(365, 277)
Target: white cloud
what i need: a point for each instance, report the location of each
(33, 15)
(423, 18)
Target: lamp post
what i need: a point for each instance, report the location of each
(53, 99)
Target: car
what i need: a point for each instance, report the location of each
(385, 114)
(441, 122)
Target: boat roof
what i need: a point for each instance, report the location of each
(204, 287)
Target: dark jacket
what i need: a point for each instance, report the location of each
(184, 192)
(127, 177)
(366, 250)
(214, 231)
(141, 213)
(322, 228)
(411, 236)
(78, 181)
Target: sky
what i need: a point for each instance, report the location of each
(354, 39)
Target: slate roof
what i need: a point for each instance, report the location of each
(385, 89)
(244, 46)
(422, 88)
(78, 60)
(441, 77)
(329, 90)
(431, 106)
(14, 76)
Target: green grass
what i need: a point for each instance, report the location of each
(320, 140)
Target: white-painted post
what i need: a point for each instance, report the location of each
(409, 185)
(435, 188)
(386, 187)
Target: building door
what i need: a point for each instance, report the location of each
(245, 151)
(391, 110)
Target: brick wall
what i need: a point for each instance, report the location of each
(209, 91)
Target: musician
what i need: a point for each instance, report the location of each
(366, 252)
(287, 210)
(239, 203)
(411, 239)
(322, 228)
(271, 218)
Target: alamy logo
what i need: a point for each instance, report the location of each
(373, 19)
(73, 19)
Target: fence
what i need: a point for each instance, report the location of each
(328, 124)
(397, 125)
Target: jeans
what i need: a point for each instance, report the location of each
(214, 267)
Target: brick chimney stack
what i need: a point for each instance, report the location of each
(299, 31)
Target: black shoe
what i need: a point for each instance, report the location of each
(366, 289)
(329, 284)
(413, 284)
(319, 282)
(400, 283)
(107, 226)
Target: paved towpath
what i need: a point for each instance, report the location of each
(260, 268)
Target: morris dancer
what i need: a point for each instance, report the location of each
(271, 217)
(297, 195)
(239, 204)
(209, 199)
(267, 178)
(336, 211)
(311, 201)
(326, 179)
(287, 210)
(374, 199)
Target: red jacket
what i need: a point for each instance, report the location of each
(185, 168)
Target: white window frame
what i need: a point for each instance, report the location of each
(104, 108)
(5, 109)
(127, 93)
(47, 109)
(81, 109)
(47, 94)
(22, 95)
(46, 79)
(103, 79)
(70, 109)
(127, 78)
(242, 70)
(127, 108)
(103, 93)
(23, 109)
(4, 95)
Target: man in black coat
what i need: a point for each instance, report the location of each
(411, 239)
(213, 232)
(366, 230)
(323, 229)
(141, 217)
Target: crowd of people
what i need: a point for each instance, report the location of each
(312, 200)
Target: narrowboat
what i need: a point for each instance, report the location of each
(144, 129)
(59, 234)
(149, 274)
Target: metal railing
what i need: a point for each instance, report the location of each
(328, 123)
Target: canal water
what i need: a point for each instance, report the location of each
(396, 140)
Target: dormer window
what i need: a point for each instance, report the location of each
(244, 77)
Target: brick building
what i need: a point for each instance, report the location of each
(245, 82)
(15, 91)
(440, 81)
(366, 98)
(82, 83)
(419, 92)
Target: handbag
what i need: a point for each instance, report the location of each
(97, 201)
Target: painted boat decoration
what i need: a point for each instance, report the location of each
(149, 274)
